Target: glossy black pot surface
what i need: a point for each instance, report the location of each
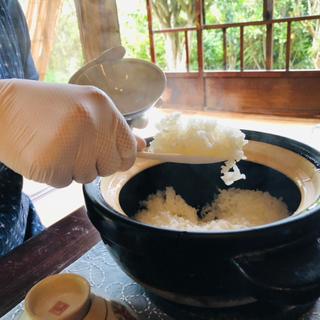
(279, 262)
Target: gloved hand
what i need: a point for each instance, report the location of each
(55, 133)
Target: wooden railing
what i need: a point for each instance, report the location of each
(200, 27)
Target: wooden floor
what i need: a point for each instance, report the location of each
(53, 204)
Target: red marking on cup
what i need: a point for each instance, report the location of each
(59, 308)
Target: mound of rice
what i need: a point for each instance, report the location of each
(232, 209)
(203, 137)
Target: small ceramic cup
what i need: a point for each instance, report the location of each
(59, 297)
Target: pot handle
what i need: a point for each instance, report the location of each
(284, 275)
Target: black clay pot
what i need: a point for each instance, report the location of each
(278, 262)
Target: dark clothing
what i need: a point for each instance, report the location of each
(18, 219)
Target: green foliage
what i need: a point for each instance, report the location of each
(229, 11)
(160, 51)
(254, 47)
(301, 57)
(291, 8)
(254, 37)
(67, 54)
(302, 40)
(303, 47)
(173, 13)
(134, 32)
(213, 50)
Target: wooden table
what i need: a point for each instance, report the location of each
(48, 253)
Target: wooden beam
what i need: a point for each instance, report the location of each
(174, 30)
(268, 16)
(257, 23)
(199, 24)
(266, 92)
(98, 26)
(187, 50)
(204, 20)
(150, 28)
(239, 24)
(288, 48)
(241, 48)
(267, 10)
(225, 62)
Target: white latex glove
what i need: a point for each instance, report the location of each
(55, 133)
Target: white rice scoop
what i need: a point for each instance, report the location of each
(178, 158)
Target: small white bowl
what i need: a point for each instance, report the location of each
(134, 85)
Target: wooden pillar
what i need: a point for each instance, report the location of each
(288, 48)
(186, 41)
(224, 44)
(98, 26)
(151, 35)
(42, 17)
(267, 16)
(199, 25)
(241, 48)
(200, 14)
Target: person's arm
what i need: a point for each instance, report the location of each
(56, 133)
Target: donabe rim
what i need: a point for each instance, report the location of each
(92, 190)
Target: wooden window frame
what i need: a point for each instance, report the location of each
(200, 26)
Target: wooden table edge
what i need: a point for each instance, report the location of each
(48, 253)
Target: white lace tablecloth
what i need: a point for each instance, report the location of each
(107, 280)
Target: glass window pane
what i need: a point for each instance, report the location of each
(193, 47)
(305, 45)
(172, 14)
(254, 44)
(214, 52)
(292, 8)
(233, 49)
(229, 11)
(213, 49)
(133, 23)
(170, 50)
(279, 46)
(159, 43)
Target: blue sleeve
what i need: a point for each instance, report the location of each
(21, 27)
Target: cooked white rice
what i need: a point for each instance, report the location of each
(203, 137)
(232, 209)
